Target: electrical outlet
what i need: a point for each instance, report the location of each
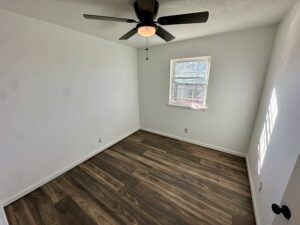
(186, 130)
(260, 187)
(100, 139)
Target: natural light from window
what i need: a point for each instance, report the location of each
(189, 82)
(267, 130)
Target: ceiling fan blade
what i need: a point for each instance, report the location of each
(108, 18)
(129, 34)
(200, 17)
(165, 35)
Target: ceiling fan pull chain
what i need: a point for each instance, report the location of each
(147, 49)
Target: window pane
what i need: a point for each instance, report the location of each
(202, 67)
(191, 69)
(188, 92)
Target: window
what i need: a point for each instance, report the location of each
(189, 81)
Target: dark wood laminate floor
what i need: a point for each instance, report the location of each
(144, 179)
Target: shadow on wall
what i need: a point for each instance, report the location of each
(267, 130)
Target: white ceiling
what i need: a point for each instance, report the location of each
(225, 15)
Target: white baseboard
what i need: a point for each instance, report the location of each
(3, 219)
(253, 192)
(232, 152)
(65, 169)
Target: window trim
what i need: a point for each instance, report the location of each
(172, 66)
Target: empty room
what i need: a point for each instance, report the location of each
(149, 112)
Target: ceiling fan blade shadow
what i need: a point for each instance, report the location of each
(199, 17)
(165, 35)
(129, 34)
(108, 18)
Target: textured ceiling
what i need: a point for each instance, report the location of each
(225, 15)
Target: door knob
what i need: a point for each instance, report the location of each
(284, 210)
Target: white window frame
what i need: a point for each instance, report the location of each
(172, 71)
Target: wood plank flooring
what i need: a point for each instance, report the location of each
(144, 179)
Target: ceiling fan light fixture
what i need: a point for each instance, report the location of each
(147, 30)
(147, 25)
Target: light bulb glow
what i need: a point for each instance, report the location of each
(147, 31)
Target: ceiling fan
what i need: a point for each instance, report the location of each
(146, 11)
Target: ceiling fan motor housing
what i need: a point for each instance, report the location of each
(146, 11)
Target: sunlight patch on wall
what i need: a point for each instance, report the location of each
(267, 130)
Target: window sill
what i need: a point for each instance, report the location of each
(202, 109)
